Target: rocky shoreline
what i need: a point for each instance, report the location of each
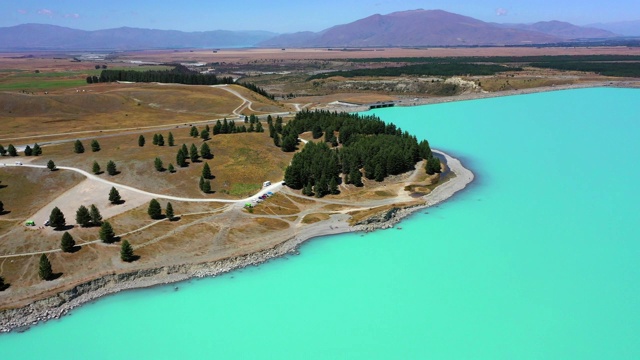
(56, 306)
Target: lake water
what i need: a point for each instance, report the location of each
(537, 259)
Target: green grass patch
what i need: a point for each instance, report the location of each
(244, 189)
(44, 84)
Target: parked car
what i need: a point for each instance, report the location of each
(47, 223)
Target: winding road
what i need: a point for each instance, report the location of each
(272, 188)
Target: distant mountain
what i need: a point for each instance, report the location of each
(51, 37)
(563, 30)
(413, 28)
(626, 28)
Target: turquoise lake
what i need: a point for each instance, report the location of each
(537, 259)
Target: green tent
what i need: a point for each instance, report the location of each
(30, 223)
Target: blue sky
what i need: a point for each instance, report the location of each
(290, 16)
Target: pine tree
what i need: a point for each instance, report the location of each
(157, 163)
(111, 168)
(83, 217)
(184, 150)
(51, 165)
(78, 148)
(171, 169)
(114, 196)
(155, 139)
(276, 139)
(28, 151)
(96, 217)
(194, 131)
(307, 190)
(106, 233)
(206, 171)
(289, 143)
(333, 186)
(3, 151)
(205, 151)
(316, 131)
(126, 252)
(180, 161)
(433, 165)
(37, 150)
(170, 139)
(201, 183)
(169, 211)
(96, 168)
(12, 150)
(95, 146)
(44, 270)
(355, 177)
(56, 218)
(154, 210)
(204, 135)
(259, 127)
(217, 129)
(193, 153)
(67, 243)
(160, 140)
(379, 172)
(141, 141)
(2, 284)
(206, 187)
(1, 207)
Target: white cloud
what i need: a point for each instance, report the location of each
(73, 16)
(45, 12)
(502, 12)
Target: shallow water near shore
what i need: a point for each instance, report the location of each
(537, 259)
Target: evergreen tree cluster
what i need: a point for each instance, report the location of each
(180, 74)
(368, 143)
(11, 150)
(257, 89)
(229, 126)
(313, 169)
(28, 150)
(88, 217)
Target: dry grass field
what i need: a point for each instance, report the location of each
(106, 108)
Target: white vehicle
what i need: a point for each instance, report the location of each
(18, 163)
(266, 183)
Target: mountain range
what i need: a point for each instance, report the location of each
(51, 37)
(398, 29)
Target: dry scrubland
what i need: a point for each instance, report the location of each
(101, 109)
(115, 115)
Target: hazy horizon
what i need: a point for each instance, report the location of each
(288, 17)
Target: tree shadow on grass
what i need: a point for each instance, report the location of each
(175, 218)
(98, 173)
(5, 212)
(64, 228)
(115, 173)
(119, 202)
(134, 258)
(5, 287)
(3, 186)
(54, 276)
(75, 249)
